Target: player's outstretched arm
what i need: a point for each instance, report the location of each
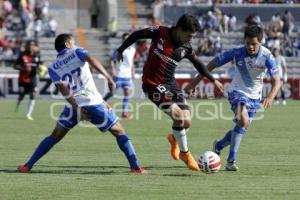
(147, 33)
(267, 102)
(98, 66)
(191, 86)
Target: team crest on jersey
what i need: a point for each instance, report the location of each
(240, 63)
(182, 54)
(160, 44)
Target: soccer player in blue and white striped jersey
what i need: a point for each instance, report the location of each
(71, 74)
(245, 92)
(122, 73)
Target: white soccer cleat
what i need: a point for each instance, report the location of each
(29, 117)
(231, 166)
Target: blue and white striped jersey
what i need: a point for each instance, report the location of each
(250, 70)
(124, 68)
(71, 67)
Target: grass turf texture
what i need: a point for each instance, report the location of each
(87, 164)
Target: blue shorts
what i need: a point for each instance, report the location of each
(102, 116)
(123, 82)
(236, 98)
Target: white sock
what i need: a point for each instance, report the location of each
(30, 106)
(181, 139)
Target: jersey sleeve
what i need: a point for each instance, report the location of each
(53, 75)
(225, 57)
(147, 33)
(81, 53)
(114, 56)
(198, 64)
(152, 32)
(272, 66)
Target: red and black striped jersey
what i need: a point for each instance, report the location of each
(164, 55)
(28, 64)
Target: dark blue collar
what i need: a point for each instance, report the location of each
(62, 52)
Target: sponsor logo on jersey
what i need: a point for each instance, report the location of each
(165, 58)
(59, 63)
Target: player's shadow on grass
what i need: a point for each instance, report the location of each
(81, 170)
(180, 171)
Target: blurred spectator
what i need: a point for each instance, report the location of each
(287, 47)
(296, 45)
(52, 26)
(281, 62)
(157, 7)
(6, 55)
(113, 27)
(274, 37)
(153, 22)
(14, 21)
(210, 23)
(225, 24)
(288, 23)
(38, 6)
(252, 19)
(276, 20)
(94, 13)
(45, 9)
(206, 48)
(232, 23)
(217, 46)
(37, 28)
(218, 14)
(6, 7)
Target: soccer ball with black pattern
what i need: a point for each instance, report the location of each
(209, 162)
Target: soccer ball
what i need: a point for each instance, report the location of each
(209, 162)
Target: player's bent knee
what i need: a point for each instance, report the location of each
(59, 132)
(187, 123)
(117, 129)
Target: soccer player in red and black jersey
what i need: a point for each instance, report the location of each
(169, 46)
(28, 63)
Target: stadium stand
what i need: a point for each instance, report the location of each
(73, 16)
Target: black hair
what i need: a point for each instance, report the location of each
(28, 44)
(60, 41)
(188, 23)
(253, 31)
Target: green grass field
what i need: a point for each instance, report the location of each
(88, 164)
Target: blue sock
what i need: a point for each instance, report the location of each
(125, 104)
(41, 150)
(225, 141)
(108, 96)
(127, 147)
(236, 138)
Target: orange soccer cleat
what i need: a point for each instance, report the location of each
(189, 160)
(174, 147)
